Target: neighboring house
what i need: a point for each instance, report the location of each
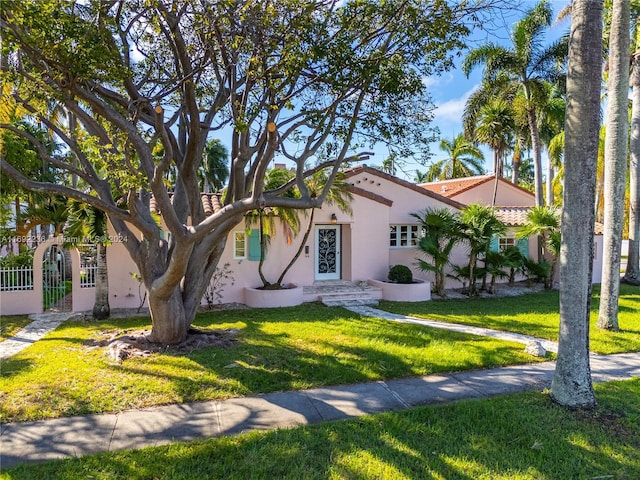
(512, 204)
(380, 232)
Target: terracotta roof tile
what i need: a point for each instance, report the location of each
(513, 216)
(517, 216)
(451, 188)
(210, 203)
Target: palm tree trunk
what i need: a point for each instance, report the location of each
(263, 250)
(571, 385)
(537, 155)
(515, 168)
(300, 248)
(550, 175)
(101, 309)
(632, 273)
(496, 160)
(615, 165)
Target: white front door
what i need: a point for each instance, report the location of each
(327, 252)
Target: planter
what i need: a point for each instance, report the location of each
(284, 297)
(418, 291)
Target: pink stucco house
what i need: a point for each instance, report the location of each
(353, 250)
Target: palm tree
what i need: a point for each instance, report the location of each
(528, 65)
(615, 163)
(441, 233)
(266, 218)
(544, 223)
(464, 160)
(632, 272)
(571, 385)
(89, 223)
(214, 171)
(495, 262)
(495, 125)
(389, 165)
(420, 177)
(338, 196)
(479, 225)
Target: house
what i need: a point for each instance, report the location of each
(357, 247)
(512, 203)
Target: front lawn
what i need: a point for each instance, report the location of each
(12, 324)
(276, 349)
(534, 314)
(522, 436)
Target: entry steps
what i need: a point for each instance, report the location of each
(342, 293)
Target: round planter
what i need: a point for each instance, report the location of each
(285, 297)
(418, 291)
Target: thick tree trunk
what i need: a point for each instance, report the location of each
(632, 273)
(615, 163)
(101, 309)
(168, 318)
(571, 385)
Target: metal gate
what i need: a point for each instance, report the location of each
(56, 287)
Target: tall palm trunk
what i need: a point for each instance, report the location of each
(571, 385)
(101, 309)
(615, 163)
(537, 155)
(632, 273)
(300, 248)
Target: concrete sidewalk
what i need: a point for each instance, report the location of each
(82, 435)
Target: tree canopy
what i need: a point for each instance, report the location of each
(310, 82)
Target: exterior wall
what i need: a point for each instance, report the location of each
(507, 195)
(405, 202)
(598, 246)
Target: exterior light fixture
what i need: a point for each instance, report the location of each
(334, 219)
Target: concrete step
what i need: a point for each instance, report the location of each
(352, 298)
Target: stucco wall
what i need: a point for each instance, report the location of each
(507, 195)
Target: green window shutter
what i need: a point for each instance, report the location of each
(494, 245)
(254, 245)
(523, 246)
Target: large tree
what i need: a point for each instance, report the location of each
(529, 65)
(571, 385)
(615, 163)
(310, 81)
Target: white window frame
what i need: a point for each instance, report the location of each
(506, 242)
(412, 232)
(237, 235)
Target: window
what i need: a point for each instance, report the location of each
(506, 242)
(502, 243)
(404, 236)
(239, 245)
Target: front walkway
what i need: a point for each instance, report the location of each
(42, 324)
(367, 311)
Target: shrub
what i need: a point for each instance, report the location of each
(400, 274)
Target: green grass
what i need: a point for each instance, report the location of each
(534, 314)
(276, 349)
(521, 436)
(12, 324)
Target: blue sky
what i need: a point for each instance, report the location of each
(451, 90)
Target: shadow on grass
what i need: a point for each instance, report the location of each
(523, 435)
(341, 347)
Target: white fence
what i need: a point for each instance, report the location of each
(15, 279)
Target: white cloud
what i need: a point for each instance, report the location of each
(451, 110)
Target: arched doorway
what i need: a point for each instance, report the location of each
(56, 280)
